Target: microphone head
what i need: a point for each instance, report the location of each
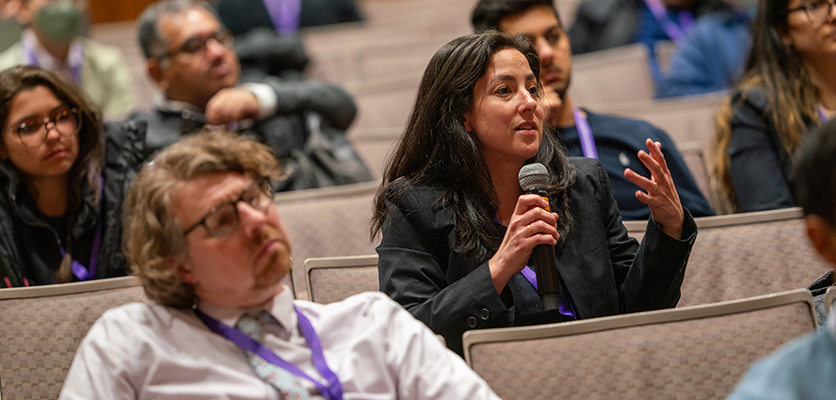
(533, 176)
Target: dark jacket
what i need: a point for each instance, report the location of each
(307, 132)
(29, 245)
(761, 170)
(603, 271)
(618, 141)
(604, 24)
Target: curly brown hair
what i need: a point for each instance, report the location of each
(154, 241)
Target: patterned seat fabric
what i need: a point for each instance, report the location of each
(694, 359)
(39, 337)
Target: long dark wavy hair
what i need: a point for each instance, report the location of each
(88, 164)
(790, 89)
(436, 150)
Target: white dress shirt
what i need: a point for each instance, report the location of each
(376, 348)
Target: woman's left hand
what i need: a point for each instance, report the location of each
(661, 195)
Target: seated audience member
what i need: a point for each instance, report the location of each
(285, 17)
(604, 24)
(457, 231)
(53, 40)
(206, 242)
(61, 184)
(710, 58)
(614, 140)
(190, 57)
(804, 369)
(789, 86)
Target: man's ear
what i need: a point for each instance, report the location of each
(156, 72)
(183, 267)
(822, 236)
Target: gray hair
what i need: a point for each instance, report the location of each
(152, 41)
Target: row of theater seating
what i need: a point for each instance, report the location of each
(698, 351)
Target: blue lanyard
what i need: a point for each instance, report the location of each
(334, 390)
(585, 135)
(674, 31)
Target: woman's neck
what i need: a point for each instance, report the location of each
(506, 190)
(50, 195)
(825, 76)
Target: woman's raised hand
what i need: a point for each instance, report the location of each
(530, 225)
(661, 195)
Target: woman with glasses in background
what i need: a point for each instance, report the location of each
(788, 87)
(61, 183)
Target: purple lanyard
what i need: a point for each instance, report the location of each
(84, 274)
(285, 14)
(585, 134)
(824, 117)
(75, 70)
(334, 390)
(674, 31)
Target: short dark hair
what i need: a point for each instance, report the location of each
(151, 40)
(489, 13)
(815, 173)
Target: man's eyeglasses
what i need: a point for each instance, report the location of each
(817, 11)
(33, 132)
(196, 44)
(223, 218)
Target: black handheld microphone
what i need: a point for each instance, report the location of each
(534, 178)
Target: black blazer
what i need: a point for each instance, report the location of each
(604, 272)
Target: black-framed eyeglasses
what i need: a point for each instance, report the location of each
(817, 11)
(33, 131)
(197, 44)
(223, 219)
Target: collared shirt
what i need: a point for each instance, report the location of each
(75, 56)
(376, 348)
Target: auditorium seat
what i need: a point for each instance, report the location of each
(326, 222)
(385, 102)
(332, 279)
(42, 326)
(829, 298)
(620, 74)
(374, 146)
(698, 352)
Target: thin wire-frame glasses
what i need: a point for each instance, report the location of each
(817, 11)
(223, 219)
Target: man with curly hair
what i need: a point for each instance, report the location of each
(204, 238)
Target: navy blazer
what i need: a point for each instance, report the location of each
(603, 271)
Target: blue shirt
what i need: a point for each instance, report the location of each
(618, 141)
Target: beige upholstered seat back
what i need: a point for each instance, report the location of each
(332, 279)
(614, 75)
(829, 299)
(326, 222)
(41, 328)
(738, 256)
(695, 353)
